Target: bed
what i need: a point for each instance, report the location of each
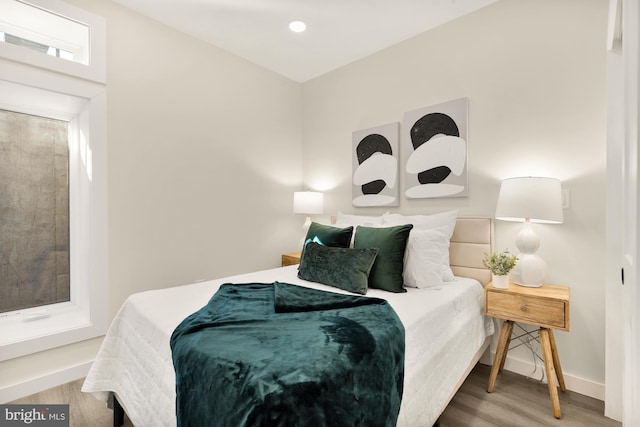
(445, 334)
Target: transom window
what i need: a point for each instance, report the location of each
(38, 47)
(55, 36)
(40, 30)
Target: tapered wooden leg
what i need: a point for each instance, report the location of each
(506, 346)
(501, 352)
(556, 361)
(547, 354)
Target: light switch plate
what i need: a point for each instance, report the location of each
(566, 199)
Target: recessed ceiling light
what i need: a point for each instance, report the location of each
(297, 26)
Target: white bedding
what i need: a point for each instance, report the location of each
(445, 328)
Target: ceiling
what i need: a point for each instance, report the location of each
(338, 31)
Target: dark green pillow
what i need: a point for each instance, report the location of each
(329, 236)
(386, 273)
(342, 268)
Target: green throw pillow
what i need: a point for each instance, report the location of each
(391, 242)
(342, 268)
(327, 235)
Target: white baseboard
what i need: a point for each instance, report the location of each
(45, 382)
(579, 385)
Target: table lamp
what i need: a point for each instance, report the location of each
(529, 199)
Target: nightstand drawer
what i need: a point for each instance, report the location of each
(526, 309)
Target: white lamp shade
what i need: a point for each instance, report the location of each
(534, 198)
(308, 202)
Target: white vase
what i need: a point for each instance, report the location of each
(500, 282)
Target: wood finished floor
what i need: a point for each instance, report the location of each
(516, 401)
(519, 402)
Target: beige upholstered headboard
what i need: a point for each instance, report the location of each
(472, 238)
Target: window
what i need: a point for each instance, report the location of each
(32, 85)
(34, 211)
(34, 28)
(54, 35)
(38, 47)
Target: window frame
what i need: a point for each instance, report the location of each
(85, 316)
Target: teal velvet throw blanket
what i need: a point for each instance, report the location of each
(283, 355)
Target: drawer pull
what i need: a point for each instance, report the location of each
(523, 308)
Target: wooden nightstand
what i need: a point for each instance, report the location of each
(292, 258)
(546, 307)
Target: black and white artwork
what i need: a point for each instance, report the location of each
(375, 166)
(435, 151)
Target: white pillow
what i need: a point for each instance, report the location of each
(423, 257)
(426, 222)
(345, 220)
(423, 221)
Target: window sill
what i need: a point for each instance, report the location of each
(64, 324)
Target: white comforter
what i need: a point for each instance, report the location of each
(445, 328)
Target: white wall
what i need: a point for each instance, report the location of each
(534, 73)
(204, 153)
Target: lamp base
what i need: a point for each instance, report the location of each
(306, 224)
(529, 271)
(539, 285)
(305, 229)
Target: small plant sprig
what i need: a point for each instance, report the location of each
(501, 263)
